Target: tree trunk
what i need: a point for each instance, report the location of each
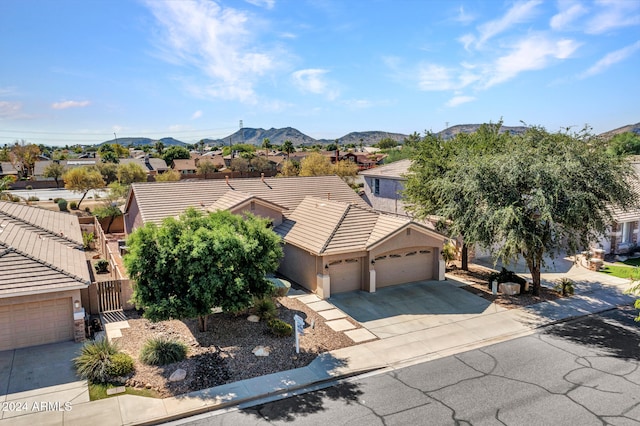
(57, 186)
(80, 202)
(202, 323)
(534, 263)
(465, 257)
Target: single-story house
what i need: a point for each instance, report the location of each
(333, 240)
(383, 186)
(43, 271)
(152, 165)
(184, 166)
(7, 169)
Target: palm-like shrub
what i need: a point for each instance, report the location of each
(265, 308)
(94, 362)
(161, 351)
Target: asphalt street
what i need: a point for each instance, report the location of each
(581, 372)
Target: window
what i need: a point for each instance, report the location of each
(626, 232)
(376, 186)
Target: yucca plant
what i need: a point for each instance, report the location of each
(161, 351)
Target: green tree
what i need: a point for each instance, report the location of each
(347, 170)
(109, 172)
(316, 164)
(168, 176)
(5, 185)
(287, 147)
(55, 171)
(159, 146)
(240, 164)
(175, 152)
(190, 265)
(206, 167)
(82, 180)
(527, 195)
(387, 143)
(24, 155)
(131, 172)
(624, 144)
(289, 168)
(260, 164)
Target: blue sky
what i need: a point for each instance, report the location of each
(77, 71)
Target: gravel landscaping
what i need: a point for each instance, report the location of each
(223, 354)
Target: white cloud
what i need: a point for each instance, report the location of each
(464, 17)
(611, 59)
(533, 53)
(262, 3)
(439, 78)
(10, 109)
(218, 41)
(312, 80)
(614, 14)
(519, 13)
(459, 100)
(196, 115)
(569, 12)
(70, 104)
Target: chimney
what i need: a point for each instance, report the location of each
(262, 177)
(328, 195)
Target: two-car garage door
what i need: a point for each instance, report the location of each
(36, 323)
(404, 267)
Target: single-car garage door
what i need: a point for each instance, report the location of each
(404, 267)
(345, 275)
(36, 323)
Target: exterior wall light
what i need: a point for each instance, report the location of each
(76, 304)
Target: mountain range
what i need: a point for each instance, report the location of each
(278, 136)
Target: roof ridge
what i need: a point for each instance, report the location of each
(335, 228)
(42, 262)
(48, 231)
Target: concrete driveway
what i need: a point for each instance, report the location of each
(40, 374)
(403, 309)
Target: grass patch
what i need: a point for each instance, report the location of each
(632, 261)
(621, 271)
(99, 391)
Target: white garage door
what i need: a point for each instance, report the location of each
(345, 275)
(36, 323)
(404, 267)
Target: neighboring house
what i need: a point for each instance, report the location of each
(363, 160)
(383, 187)
(184, 166)
(43, 272)
(38, 170)
(623, 233)
(7, 169)
(333, 241)
(153, 166)
(80, 162)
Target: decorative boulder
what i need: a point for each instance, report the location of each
(178, 375)
(253, 318)
(260, 351)
(509, 288)
(281, 286)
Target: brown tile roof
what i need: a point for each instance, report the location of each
(233, 199)
(40, 251)
(184, 164)
(157, 200)
(330, 227)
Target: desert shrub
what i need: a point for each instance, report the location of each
(280, 328)
(448, 252)
(62, 204)
(87, 239)
(87, 209)
(33, 198)
(73, 205)
(265, 308)
(161, 351)
(95, 361)
(102, 266)
(15, 198)
(564, 286)
(55, 200)
(29, 187)
(121, 365)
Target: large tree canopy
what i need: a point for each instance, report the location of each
(82, 180)
(189, 265)
(530, 195)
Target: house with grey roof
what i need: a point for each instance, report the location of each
(333, 241)
(43, 272)
(151, 165)
(383, 187)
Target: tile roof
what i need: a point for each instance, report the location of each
(157, 200)
(330, 227)
(633, 214)
(40, 251)
(233, 199)
(150, 163)
(184, 164)
(395, 170)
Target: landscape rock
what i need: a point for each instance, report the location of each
(178, 375)
(253, 318)
(260, 351)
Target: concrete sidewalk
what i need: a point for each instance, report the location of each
(438, 341)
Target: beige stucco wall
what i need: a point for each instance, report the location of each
(72, 294)
(300, 266)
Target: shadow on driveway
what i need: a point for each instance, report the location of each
(420, 298)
